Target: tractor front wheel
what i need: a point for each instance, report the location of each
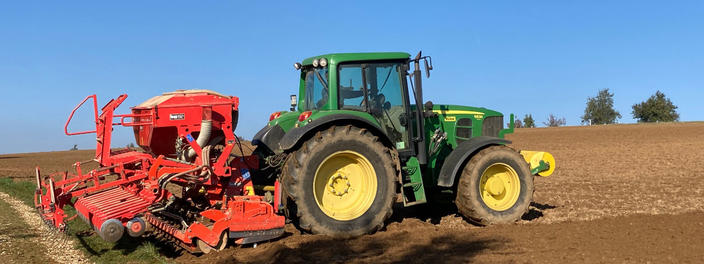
(341, 182)
(495, 187)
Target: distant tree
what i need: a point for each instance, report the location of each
(516, 123)
(528, 121)
(600, 109)
(75, 147)
(554, 121)
(130, 146)
(657, 108)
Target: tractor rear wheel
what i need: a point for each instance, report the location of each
(340, 182)
(495, 187)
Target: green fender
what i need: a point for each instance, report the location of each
(461, 154)
(294, 136)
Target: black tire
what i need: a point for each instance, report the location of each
(469, 201)
(301, 166)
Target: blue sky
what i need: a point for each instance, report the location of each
(536, 57)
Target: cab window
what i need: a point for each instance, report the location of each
(316, 89)
(351, 92)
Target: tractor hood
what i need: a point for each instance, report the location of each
(464, 110)
(457, 110)
(465, 122)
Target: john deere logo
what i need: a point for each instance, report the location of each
(179, 116)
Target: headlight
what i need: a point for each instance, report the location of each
(297, 65)
(316, 62)
(323, 62)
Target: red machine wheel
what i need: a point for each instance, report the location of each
(136, 227)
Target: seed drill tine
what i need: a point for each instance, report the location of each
(52, 195)
(39, 186)
(36, 172)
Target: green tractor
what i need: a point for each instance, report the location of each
(358, 134)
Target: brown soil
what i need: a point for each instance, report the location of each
(621, 193)
(631, 239)
(21, 166)
(619, 169)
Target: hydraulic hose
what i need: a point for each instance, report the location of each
(203, 177)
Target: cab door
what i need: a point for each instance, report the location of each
(378, 88)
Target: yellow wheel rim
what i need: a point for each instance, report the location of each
(499, 186)
(345, 185)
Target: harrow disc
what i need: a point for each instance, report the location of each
(111, 230)
(205, 248)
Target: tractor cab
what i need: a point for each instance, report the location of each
(371, 87)
(376, 89)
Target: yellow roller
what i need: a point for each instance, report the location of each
(534, 157)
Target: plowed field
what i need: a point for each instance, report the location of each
(621, 193)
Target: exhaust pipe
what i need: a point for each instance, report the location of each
(422, 154)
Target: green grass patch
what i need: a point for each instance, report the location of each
(22, 190)
(127, 250)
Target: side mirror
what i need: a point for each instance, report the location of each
(294, 102)
(428, 68)
(403, 120)
(429, 109)
(429, 106)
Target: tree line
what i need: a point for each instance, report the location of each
(600, 110)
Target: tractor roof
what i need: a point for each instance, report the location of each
(361, 56)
